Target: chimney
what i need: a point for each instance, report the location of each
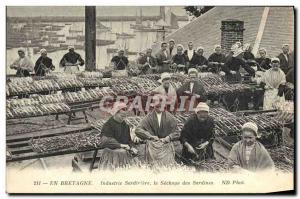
(231, 32)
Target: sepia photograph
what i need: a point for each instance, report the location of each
(150, 99)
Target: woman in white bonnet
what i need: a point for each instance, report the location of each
(248, 153)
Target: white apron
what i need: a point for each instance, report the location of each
(71, 69)
(271, 99)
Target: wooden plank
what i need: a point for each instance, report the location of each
(18, 144)
(20, 150)
(47, 133)
(34, 155)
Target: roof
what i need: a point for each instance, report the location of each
(205, 30)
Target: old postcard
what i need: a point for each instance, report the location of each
(150, 99)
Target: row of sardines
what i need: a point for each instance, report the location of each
(53, 82)
(143, 84)
(48, 144)
(50, 104)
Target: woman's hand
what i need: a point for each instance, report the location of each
(125, 146)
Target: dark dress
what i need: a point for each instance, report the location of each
(113, 156)
(182, 60)
(120, 62)
(248, 56)
(196, 132)
(234, 64)
(194, 61)
(263, 63)
(71, 57)
(150, 67)
(119, 131)
(41, 63)
(220, 58)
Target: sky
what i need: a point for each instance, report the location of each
(34, 11)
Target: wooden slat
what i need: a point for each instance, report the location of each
(33, 155)
(18, 144)
(46, 133)
(20, 150)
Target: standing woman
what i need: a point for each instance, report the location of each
(248, 153)
(23, 64)
(43, 64)
(271, 80)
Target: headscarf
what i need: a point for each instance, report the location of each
(21, 50)
(236, 50)
(164, 76)
(192, 70)
(200, 47)
(217, 46)
(252, 127)
(202, 107)
(43, 50)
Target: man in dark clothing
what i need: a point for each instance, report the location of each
(172, 49)
(197, 136)
(71, 60)
(191, 55)
(120, 62)
(285, 58)
(216, 60)
(263, 62)
(163, 58)
(43, 64)
(180, 60)
(148, 63)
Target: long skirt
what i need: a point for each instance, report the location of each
(160, 154)
(115, 158)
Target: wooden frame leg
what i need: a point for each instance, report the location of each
(70, 117)
(85, 117)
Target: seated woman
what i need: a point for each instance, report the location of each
(249, 154)
(120, 152)
(192, 91)
(197, 136)
(158, 130)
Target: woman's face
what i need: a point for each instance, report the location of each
(193, 75)
(21, 54)
(121, 115)
(166, 83)
(202, 115)
(275, 65)
(248, 137)
(262, 54)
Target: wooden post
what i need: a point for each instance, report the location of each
(90, 38)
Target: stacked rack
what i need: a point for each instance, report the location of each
(36, 106)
